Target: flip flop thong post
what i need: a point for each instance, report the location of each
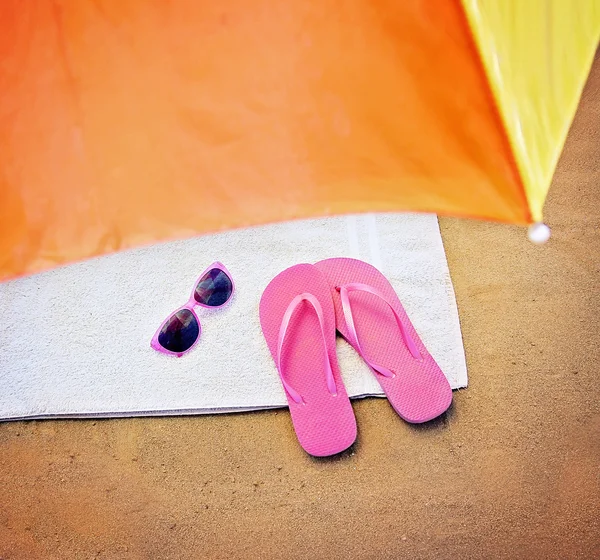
(298, 321)
(371, 318)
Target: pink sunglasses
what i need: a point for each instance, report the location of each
(181, 330)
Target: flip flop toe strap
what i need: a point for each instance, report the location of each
(283, 330)
(344, 291)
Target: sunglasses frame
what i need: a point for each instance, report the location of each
(191, 303)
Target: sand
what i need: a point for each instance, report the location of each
(512, 471)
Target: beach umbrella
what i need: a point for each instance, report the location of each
(127, 122)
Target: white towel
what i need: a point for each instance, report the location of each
(75, 341)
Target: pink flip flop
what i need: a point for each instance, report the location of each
(298, 321)
(371, 318)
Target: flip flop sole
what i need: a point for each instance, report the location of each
(324, 424)
(419, 391)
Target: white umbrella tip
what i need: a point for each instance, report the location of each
(538, 233)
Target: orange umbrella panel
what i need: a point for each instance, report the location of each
(125, 123)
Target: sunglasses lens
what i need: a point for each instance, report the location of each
(214, 288)
(179, 332)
